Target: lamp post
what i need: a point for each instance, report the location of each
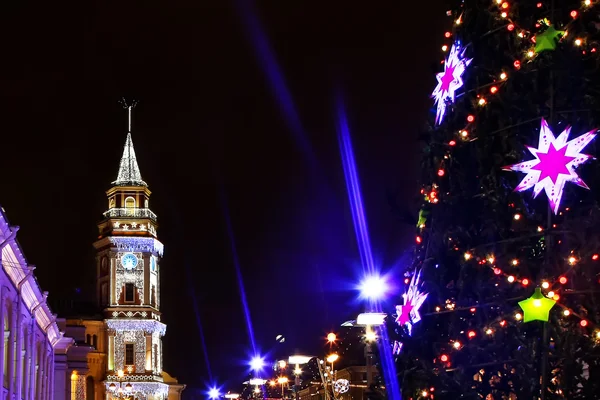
(282, 380)
(369, 320)
(373, 288)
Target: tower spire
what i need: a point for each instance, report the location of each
(129, 171)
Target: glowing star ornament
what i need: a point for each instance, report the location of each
(408, 314)
(554, 164)
(450, 80)
(548, 39)
(537, 307)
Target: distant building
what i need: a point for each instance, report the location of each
(31, 334)
(124, 329)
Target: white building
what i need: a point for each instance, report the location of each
(31, 333)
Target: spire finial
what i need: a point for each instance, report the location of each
(129, 171)
(129, 106)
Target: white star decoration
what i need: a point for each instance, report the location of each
(554, 164)
(408, 314)
(450, 80)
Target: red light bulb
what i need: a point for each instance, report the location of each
(562, 280)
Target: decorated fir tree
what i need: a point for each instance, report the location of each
(510, 202)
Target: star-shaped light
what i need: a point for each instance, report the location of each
(450, 80)
(537, 307)
(408, 314)
(554, 164)
(547, 40)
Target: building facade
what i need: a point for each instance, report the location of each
(126, 354)
(31, 333)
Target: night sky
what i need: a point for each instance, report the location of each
(221, 133)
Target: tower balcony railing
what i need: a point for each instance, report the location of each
(130, 213)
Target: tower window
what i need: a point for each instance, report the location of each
(130, 202)
(129, 358)
(129, 292)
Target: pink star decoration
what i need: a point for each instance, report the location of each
(554, 164)
(408, 314)
(450, 80)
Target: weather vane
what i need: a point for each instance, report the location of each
(128, 106)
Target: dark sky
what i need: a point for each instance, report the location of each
(212, 140)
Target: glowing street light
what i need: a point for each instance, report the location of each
(282, 380)
(299, 359)
(374, 287)
(331, 338)
(214, 393)
(332, 358)
(232, 396)
(370, 319)
(257, 381)
(257, 363)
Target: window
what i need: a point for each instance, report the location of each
(129, 292)
(130, 202)
(129, 359)
(88, 341)
(95, 342)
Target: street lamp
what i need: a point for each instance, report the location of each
(373, 287)
(257, 363)
(331, 338)
(282, 380)
(214, 393)
(368, 320)
(331, 359)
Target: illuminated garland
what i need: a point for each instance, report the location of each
(144, 325)
(137, 244)
(143, 389)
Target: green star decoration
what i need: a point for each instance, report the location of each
(548, 39)
(537, 307)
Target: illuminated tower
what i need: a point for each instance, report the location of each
(128, 289)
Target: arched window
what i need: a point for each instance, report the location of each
(88, 339)
(95, 342)
(89, 388)
(129, 202)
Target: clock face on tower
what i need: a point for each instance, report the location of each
(129, 261)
